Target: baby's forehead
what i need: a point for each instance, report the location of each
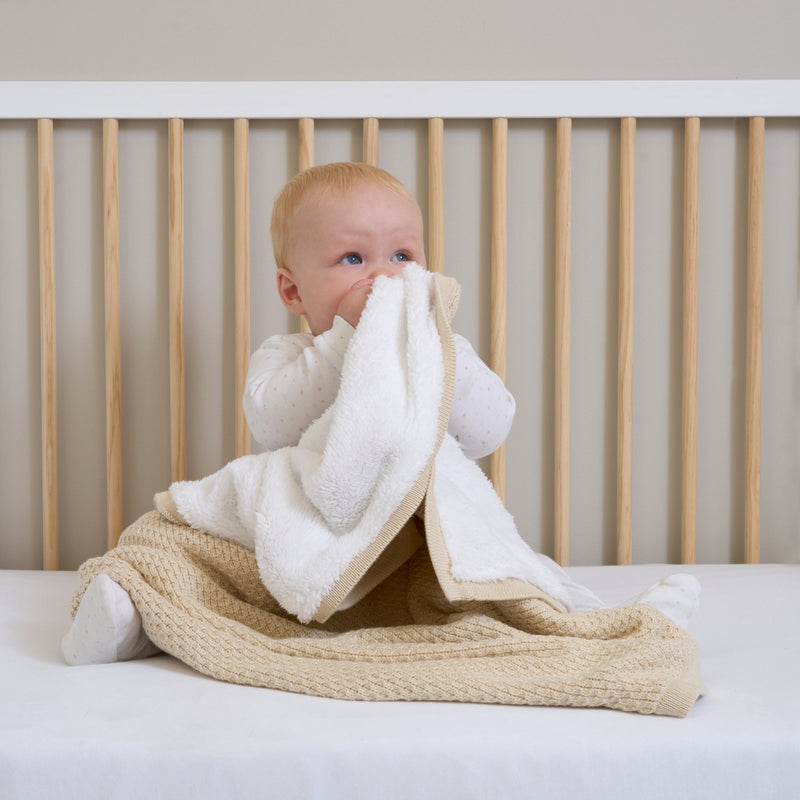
(322, 192)
(320, 203)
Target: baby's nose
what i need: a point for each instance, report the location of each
(388, 270)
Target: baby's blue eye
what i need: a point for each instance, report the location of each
(400, 257)
(351, 259)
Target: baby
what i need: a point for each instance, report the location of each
(335, 229)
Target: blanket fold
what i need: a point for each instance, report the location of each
(375, 561)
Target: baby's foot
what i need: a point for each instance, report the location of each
(107, 627)
(676, 596)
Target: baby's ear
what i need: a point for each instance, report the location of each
(289, 292)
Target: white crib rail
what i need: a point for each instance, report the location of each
(437, 102)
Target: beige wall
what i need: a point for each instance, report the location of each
(400, 40)
(93, 40)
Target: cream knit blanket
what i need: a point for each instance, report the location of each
(375, 562)
(202, 600)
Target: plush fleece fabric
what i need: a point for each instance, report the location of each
(320, 515)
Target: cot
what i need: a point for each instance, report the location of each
(501, 171)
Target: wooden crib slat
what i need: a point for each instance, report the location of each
(371, 141)
(177, 369)
(755, 242)
(691, 217)
(305, 158)
(241, 277)
(113, 362)
(625, 342)
(436, 194)
(305, 149)
(497, 463)
(562, 338)
(47, 322)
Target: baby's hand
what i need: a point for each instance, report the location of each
(352, 304)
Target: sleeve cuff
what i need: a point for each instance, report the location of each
(333, 343)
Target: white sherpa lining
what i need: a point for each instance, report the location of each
(309, 510)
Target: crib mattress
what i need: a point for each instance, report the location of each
(157, 728)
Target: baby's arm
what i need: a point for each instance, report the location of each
(483, 409)
(291, 380)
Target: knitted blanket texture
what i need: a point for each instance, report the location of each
(375, 562)
(202, 601)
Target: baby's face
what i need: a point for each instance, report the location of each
(337, 240)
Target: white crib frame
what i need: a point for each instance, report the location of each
(435, 101)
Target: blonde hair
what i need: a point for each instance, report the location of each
(339, 177)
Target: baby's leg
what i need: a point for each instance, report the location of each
(676, 596)
(107, 627)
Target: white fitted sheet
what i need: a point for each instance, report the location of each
(156, 728)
